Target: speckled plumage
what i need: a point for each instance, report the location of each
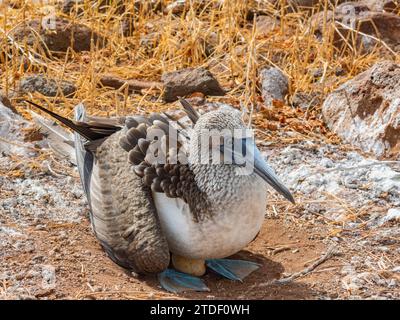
(123, 214)
(235, 204)
(142, 210)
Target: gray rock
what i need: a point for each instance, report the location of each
(365, 111)
(68, 6)
(305, 4)
(305, 100)
(274, 85)
(187, 81)
(392, 215)
(46, 86)
(396, 269)
(383, 5)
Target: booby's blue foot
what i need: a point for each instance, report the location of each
(175, 281)
(232, 269)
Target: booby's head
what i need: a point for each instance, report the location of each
(221, 138)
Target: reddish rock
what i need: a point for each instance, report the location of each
(358, 16)
(186, 81)
(365, 111)
(7, 103)
(69, 6)
(58, 35)
(265, 25)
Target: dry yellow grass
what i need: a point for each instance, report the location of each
(180, 41)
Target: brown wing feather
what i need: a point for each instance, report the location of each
(173, 178)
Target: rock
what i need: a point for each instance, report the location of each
(393, 214)
(149, 41)
(7, 103)
(210, 42)
(396, 269)
(365, 111)
(274, 85)
(148, 5)
(69, 6)
(180, 7)
(15, 4)
(177, 7)
(46, 86)
(189, 80)
(358, 16)
(305, 100)
(57, 35)
(383, 5)
(304, 4)
(265, 25)
(127, 25)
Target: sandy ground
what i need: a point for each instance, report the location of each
(48, 250)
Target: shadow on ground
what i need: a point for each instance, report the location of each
(255, 286)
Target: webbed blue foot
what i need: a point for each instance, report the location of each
(175, 281)
(232, 269)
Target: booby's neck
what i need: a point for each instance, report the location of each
(223, 188)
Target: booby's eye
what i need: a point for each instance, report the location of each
(235, 151)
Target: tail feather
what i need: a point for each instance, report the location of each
(88, 131)
(58, 139)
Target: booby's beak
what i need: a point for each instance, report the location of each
(250, 155)
(262, 169)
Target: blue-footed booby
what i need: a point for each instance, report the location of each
(149, 214)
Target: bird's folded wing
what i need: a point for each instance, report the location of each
(123, 214)
(157, 150)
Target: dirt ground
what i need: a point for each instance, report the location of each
(340, 241)
(83, 271)
(48, 250)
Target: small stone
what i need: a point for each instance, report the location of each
(20, 276)
(176, 7)
(392, 283)
(265, 25)
(187, 81)
(383, 5)
(69, 6)
(40, 227)
(127, 25)
(7, 103)
(305, 101)
(274, 85)
(38, 258)
(47, 86)
(396, 269)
